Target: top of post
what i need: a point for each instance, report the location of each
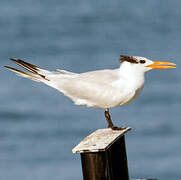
(100, 140)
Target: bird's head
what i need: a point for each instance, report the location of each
(143, 64)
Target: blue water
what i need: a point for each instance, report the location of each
(39, 126)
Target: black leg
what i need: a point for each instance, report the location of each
(110, 123)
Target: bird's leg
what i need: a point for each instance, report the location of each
(109, 121)
(108, 118)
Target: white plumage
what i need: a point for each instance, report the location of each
(102, 88)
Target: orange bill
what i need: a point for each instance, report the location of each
(161, 65)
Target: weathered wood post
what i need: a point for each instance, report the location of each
(103, 155)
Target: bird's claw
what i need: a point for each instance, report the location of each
(117, 128)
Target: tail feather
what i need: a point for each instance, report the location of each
(23, 64)
(29, 75)
(33, 70)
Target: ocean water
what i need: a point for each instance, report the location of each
(39, 126)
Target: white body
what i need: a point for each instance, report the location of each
(102, 88)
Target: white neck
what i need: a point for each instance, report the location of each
(132, 73)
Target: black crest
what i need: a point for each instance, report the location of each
(130, 59)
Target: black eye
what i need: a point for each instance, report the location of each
(142, 61)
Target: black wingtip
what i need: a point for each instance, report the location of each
(10, 68)
(11, 59)
(7, 67)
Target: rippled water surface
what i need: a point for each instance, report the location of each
(39, 126)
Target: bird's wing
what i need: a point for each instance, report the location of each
(107, 76)
(93, 88)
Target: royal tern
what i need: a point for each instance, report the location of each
(100, 89)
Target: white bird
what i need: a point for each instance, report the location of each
(99, 89)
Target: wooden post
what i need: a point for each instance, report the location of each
(103, 155)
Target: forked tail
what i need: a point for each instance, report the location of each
(34, 72)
